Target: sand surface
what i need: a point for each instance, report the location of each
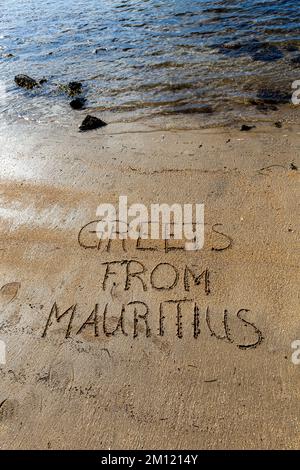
(207, 379)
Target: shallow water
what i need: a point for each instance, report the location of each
(141, 58)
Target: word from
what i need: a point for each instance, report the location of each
(134, 270)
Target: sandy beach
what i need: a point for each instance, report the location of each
(213, 373)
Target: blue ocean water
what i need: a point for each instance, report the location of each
(142, 58)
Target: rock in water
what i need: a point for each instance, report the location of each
(267, 53)
(25, 81)
(246, 128)
(272, 96)
(291, 48)
(91, 122)
(74, 88)
(255, 49)
(77, 103)
(296, 60)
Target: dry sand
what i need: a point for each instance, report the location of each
(234, 385)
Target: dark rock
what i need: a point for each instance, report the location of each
(42, 81)
(193, 109)
(293, 166)
(291, 48)
(296, 60)
(257, 50)
(25, 81)
(231, 49)
(261, 106)
(278, 124)
(270, 96)
(203, 108)
(8, 56)
(264, 107)
(100, 49)
(74, 88)
(90, 123)
(246, 128)
(267, 53)
(206, 109)
(77, 103)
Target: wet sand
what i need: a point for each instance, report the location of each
(211, 377)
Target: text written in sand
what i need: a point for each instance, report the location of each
(149, 304)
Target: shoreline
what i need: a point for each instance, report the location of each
(70, 119)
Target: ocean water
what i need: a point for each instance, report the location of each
(219, 59)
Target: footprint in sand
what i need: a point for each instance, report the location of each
(61, 375)
(9, 291)
(8, 409)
